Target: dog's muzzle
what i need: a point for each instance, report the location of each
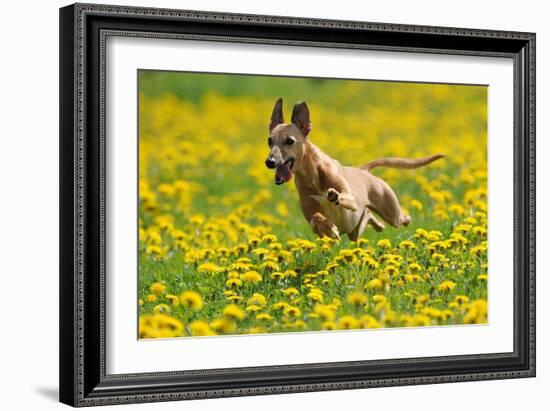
(270, 162)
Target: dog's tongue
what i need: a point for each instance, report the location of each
(283, 174)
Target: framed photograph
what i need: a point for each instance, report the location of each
(261, 204)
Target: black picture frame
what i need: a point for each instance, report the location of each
(83, 30)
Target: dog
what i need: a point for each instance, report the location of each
(334, 199)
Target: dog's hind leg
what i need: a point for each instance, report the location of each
(385, 203)
(377, 225)
(366, 219)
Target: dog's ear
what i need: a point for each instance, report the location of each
(300, 117)
(277, 115)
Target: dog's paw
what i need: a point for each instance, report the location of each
(343, 200)
(333, 196)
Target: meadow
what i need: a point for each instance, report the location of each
(223, 250)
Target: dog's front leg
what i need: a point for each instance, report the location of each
(344, 200)
(312, 210)
(322, 226)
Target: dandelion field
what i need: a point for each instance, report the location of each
(223, 250)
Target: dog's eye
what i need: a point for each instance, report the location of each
(269, 141)
(289, 141)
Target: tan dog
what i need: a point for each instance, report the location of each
(334, 199)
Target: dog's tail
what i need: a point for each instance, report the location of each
(396, 162)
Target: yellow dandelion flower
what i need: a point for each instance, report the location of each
(417, 204)
(281, 305)
(456, 209)
(417, 320)
(459, 238)
(295, 324)
(478, 250)
(232, 311)
(174, 299)
(191, 299)
(234, 282)
(200, 328)
(462, 299)
(375, 283)
(197, 219)
(477, 313)
(391, 270)
(260, 252)
(421, 233)
(368, 321)
(154, 250)
(209, 268)
(177, 234)
(269, 238)
(254, 241)
(291, 291)
(439, 257)
(283, 255)
(251, 277)
(379, 298)
(233, 274)
(423, 298)
(269, 265)
(161, 308)
(414, 267)
(315, 294)
(446, 286)
(407, 244)
(411, 278)
(160, 326)
(330, 267)
(329, 325)
(257, 299)
(291, 311)
(277, 247)
(282, 209)
(481, 231)
(306, 245)
(291, 273)
(223, 325)
(357, 298)
(348, 322)
(157, 288)
(370, 262)
(277, 275)
(325, 312)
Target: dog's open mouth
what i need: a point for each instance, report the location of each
(283, 173)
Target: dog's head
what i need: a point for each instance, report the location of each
(286, 140)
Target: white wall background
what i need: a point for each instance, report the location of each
(29, 204)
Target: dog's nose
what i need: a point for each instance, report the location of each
(270, 163)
